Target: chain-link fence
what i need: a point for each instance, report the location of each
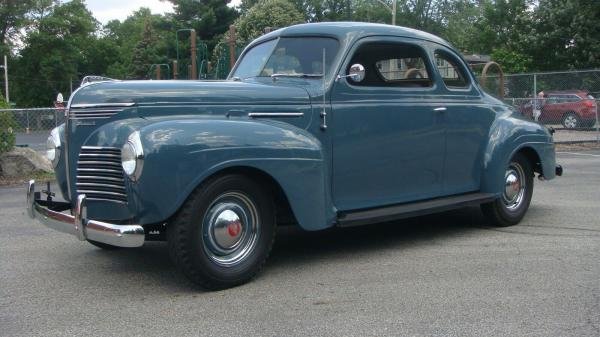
(23, 135)
(566, 101)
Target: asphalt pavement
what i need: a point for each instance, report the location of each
(442, 275)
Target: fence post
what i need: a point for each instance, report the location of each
(55, 117)
(27, 116)
(597, 125)
(534, 94)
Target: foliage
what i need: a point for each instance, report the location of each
(7, 128)
(56, 52)
(210, 18)
(266, 13)
(144, 54)
(511, 61)
(566, 34)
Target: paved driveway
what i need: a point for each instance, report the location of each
(440, 275)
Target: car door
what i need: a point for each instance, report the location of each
(467, 122)
(387, 137)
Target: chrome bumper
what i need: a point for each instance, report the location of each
(78, 225)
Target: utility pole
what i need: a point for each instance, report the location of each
(5, 66)
(194, 50)
(232, 40)
(391, 9)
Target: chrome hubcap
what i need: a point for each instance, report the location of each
(230, 229)
(514, 187)
(570, 122)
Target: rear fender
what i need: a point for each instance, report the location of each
(508, 136)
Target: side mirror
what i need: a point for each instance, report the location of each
(356, 73)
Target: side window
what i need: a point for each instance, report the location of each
(453, 75)
(393, 64)
(552, 99)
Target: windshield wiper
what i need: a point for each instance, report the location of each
(296, 75)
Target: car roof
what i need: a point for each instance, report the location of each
(347, 32)
(567, 92)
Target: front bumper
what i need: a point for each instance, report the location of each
(51, 214)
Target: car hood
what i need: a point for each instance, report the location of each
(144, 93)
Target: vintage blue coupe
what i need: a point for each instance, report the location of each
(320, 125)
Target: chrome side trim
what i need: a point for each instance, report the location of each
(275, 114)
(100, 105)
(79, 225)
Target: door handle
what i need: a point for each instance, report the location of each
(440, 109)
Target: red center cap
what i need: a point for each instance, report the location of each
(516, 187)
(234, 229)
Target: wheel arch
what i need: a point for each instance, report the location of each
(283, 211)
(533, 157)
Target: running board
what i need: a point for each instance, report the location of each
(395, 212)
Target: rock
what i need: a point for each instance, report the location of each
(23, 161)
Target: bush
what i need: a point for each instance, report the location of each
(7, 128)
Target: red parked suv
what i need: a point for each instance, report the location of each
(571, 108)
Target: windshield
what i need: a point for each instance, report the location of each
(297, 56)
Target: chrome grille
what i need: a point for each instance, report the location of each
(92, 113)
(96, 111)
(99, 174)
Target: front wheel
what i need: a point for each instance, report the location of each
(223, 233)
(509, 209)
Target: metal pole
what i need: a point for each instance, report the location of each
(6, 96)
(175, 70)
(534, 94)
(193, 60)
(597, 125)
(231, 46)
(394, 12)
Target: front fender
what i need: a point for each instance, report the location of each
(181, 154)
(509, 135)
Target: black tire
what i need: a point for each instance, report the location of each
(192, 243)
(504, 212)
(103, 245)
(571, 120)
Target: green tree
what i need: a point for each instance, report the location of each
(13, 17)
(512, 62)
(54, 54)
(144, 54)
(210, 18)
(125, 36)
(266, 13)
(503, 24)
(566, 35)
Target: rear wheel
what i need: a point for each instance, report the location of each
(571, 121)
(509, 209)
(223, 233)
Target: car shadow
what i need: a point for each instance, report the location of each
(294, 246)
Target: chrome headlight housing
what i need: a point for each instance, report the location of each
(53, 147)
(132, 156)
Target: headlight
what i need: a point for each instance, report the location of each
(132, 156)
(53, 147)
